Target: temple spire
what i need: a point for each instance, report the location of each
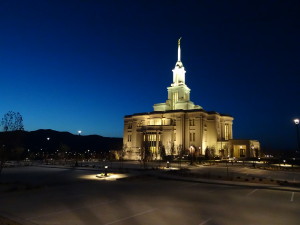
(179, 50)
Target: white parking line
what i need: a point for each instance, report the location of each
(250, 193)
(204, 222)
(292, 197)
(129, 217)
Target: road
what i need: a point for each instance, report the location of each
(57, 196)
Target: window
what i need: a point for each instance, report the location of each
(192, 122)
(166, 121)
(151, 140)
(242, 153)
(226, 133)
(192, 136)
(129, 138)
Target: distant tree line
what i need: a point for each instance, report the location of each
(11, 138)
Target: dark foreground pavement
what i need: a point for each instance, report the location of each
(58, 196)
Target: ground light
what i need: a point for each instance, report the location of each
(101, 177)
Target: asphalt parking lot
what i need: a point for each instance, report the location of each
(58, 196)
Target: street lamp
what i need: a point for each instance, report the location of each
(296, 121)
(105, 170)
(76, 155)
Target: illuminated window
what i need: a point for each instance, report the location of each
(129, 125)
(152, 140)
(166, 121)
(226, 132)
(157, 121)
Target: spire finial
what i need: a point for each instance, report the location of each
(179, 51)
(179, 41)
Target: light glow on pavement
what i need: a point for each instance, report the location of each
(100, 177)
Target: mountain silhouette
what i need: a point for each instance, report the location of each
(51, 140)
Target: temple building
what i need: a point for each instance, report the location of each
(179, 127)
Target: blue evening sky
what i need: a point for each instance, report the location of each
(73, 65)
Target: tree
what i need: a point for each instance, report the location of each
(12, 121)
(11, 138)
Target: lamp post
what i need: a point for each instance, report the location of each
(296, 121)
(76, 154)
(47, 149)
(105, 170)
(88, 154)
(28, 154)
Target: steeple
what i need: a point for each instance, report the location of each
(179, 63)
(178, 71)
(178, 92)
(179, 50)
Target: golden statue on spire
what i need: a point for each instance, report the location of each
(179, 41)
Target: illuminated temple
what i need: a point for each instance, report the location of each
(179, 127)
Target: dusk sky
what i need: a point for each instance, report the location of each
(85, 64)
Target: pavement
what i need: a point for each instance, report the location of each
(58, 195)
(238, 175)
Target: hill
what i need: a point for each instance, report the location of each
(52, 140)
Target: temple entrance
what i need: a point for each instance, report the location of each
(239, 151)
